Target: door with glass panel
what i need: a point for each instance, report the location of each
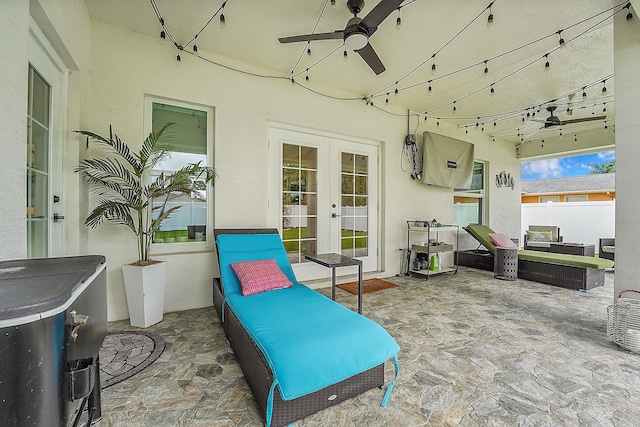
(327, 199)
(44, 146)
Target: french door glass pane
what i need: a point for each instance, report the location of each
(354, 199)
(299, 200)
(37, 212)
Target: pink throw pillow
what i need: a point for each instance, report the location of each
(260, 276)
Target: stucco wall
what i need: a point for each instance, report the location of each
(14, 33)
(627, 92)
(126, 66)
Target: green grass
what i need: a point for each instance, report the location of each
(293, 245)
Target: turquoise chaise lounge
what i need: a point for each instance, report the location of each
(567, 271)
(300, 352)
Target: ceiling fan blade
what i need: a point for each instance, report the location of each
(379, 14)
(337, 34)
(371, 58)
(584, 119)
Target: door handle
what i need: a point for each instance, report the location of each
(335, 215)
(57, 217)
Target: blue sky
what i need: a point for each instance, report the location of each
(564, 166)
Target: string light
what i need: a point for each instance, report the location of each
(604, 87)
(345, 55)
(195, 45)
(396, 91)
(433, 65)
(430, 88)
(438, 122)
(490, 17)
(606, 128)
(333, 4)
(387, 100)
(604, 108)
(454, 106)
(308, 49)
(629, 14)
(561, 40)
(178, 58)
(399, 20)
(307, 76)
(547, 64)
(493, 91)
(163, 37)
(223, 20)
(584, 92)
(486, 67)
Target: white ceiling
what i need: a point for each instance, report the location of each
(428, 26)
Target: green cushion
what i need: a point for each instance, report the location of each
(579, 260)
(481, 234)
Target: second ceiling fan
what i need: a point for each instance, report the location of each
(357, 31)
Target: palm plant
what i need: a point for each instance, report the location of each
(604, 167)
(125, 192)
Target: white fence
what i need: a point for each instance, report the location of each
(353, 217)
(583, 222)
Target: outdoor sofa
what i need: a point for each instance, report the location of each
(566, 271)
(540, 237)
(607, 248)
(299, 351)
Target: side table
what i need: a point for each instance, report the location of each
(333, 261)
(505, 263)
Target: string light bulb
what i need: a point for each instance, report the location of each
(387, 100)
(433, 65)
(604, 108)
(333, 4)
(396, 90)
(604, 87)
(223, 20)
(561, 42)
(308, 49)
(486, 67)
(493, 91)
(584, 91)
(307, 76)
(195, 44)
(345, 55)
(454, 106)
(430, 88)
(438, 122)
(606, 128)
(547, 65)
(178, 58)
(490, 16)
(398, 20)
(629, 14)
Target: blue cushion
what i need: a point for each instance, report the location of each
(249, 247)
(310, 341)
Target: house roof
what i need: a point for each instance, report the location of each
(575, 184)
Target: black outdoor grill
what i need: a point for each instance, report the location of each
(53, 319)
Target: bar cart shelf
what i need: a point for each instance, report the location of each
(423, 243)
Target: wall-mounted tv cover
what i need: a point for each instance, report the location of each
(447, 162)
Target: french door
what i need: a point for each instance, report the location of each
(44, 146)
(324, 197)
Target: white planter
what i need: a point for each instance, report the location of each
(145, 293)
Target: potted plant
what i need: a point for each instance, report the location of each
(126, 195)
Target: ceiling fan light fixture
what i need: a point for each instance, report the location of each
(356, 41)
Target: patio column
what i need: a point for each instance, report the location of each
(627, 138)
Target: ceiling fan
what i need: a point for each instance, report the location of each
(357, 31)
(555, 121)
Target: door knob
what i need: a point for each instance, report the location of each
(57, 217)
(335, 215)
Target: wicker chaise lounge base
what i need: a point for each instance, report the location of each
(259, 373)
(561, 275)
(259, 376)
(566, 271)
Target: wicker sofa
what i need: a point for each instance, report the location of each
(281, 337)
(607, 248)
(566, 271)
(533, 244)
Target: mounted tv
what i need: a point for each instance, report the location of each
(447, 162)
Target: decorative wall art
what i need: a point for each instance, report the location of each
(505, 179)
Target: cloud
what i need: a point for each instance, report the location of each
(607, 155)
(544, 168)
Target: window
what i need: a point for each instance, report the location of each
(469, 204)
(575, 198)
(548, 199)
(190, 141)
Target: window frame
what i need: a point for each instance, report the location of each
(186, 247)
(583, 197)
(476, 194)
(545, 199)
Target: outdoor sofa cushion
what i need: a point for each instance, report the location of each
(481, 233)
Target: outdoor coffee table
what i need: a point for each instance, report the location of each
(572, 248)
(333, 261)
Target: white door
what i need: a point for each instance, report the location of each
(44, 145)
(324, 198)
